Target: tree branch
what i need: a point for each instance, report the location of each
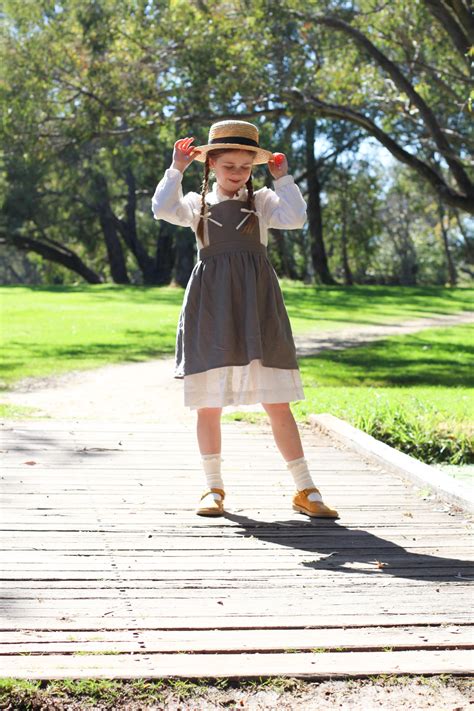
(66, 258)
(445, 18)
(404, 85)
(464, 16)
(346, 113)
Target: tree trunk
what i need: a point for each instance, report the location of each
(318, 251)
(468, 240)
(165, 257)
(118, 268)
(286, 258)
(452, 275)
(128, 229)
(407, 254)
(184, 261)
(60, 255)
(348, 278)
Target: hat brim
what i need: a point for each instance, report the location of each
(261, 155)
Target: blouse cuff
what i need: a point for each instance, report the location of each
(284, 180)
(173, 173)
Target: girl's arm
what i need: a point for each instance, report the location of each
(284, 207)
(168, 203)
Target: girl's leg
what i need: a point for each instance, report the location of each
(209, 429)
(285, 430)
(287, 438)
(209, 439)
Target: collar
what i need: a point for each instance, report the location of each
(216, 195)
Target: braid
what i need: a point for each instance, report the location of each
(252, 219)
(204, 184)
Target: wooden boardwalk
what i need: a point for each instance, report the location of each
(107, 572)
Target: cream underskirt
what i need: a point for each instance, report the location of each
(242, 385)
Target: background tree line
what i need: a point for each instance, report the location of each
(369, 100)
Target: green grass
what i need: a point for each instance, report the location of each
(210, 692)
(52, 329)
(413, 392)
(116, 693)
(49, 330)
(333, 307)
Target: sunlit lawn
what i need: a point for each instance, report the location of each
(48, 330)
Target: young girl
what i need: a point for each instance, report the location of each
(234, 343)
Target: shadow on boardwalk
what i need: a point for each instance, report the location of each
(341, 546)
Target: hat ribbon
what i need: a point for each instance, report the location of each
(207, 216)
(250, 212)
(240, 140)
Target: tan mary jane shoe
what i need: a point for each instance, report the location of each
(208, 506)
(312, 508)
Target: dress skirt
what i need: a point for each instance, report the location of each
(234, 343)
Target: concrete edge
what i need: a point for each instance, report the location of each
(396, 462)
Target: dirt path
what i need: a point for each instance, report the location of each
(385, 694)
(148, 392)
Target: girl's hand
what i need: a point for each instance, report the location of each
(278, 165)
(183, 153)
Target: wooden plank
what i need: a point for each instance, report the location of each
(41, 615)
(280, 505)
(189, 568)
(238, 666)
(310, 570)
(245, 517)
(336, 639)
(261, 597)
(164, 583)
(356, 576)
(332, 618)
(316, 565)
(275, 543)
(88, 542)
(156, 545)
(70, 530)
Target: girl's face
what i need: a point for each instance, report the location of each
(232, 170)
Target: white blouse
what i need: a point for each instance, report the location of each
(283, 208)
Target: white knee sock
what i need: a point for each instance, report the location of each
(212, 470)
(300, 472)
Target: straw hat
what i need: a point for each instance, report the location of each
(234, 134)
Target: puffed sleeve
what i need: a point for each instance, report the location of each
(168, 203)
(283, 208)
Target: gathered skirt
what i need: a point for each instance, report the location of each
(234, 343)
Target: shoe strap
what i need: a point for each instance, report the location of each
(309, 490)
(214, 491)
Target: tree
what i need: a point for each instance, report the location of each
(80, 134)
(410, 87)
(351, 213)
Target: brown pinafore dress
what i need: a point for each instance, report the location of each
(233, 310)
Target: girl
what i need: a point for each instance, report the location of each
(234, 343)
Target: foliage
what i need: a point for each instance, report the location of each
(97, 93)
